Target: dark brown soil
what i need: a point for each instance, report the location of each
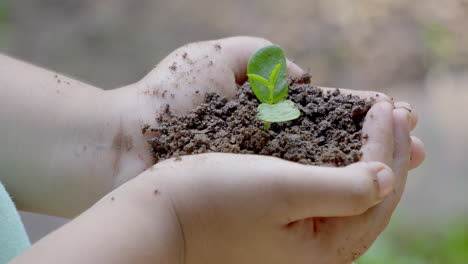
(328, 131)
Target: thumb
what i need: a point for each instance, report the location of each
(236, 52)
(330, 192)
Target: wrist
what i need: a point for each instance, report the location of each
(143, 218)
(132, 110)
(156, 217)
(129, 225)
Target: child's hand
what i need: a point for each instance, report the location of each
(181, 80)
(320, 219)
(221, 208)
(253, 209)
(193, 70)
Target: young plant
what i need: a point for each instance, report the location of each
(267, 76)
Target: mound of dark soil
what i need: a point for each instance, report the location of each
(328, 131)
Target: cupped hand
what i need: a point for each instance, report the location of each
(256, 209)
(191, 71)
(387, 128)
(181, 81)
(234, 208)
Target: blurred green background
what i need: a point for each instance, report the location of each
(415, 51)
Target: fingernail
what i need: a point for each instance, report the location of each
(385, 179)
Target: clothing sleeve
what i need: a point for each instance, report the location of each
(13, 237)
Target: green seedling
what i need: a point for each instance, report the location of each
(267, 76)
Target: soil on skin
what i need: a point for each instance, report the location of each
(328, 131)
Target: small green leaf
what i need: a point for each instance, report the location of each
(273, 78)
(263, 63)
(279, 112)
(259, 79)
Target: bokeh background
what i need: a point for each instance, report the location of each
(415, 51)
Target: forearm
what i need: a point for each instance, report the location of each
(56, 140)
(129, 225)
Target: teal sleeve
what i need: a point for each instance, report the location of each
(13, 237)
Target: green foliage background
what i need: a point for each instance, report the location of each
(402, 245)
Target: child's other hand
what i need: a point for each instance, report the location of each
(222, 208)
(181, 81)
(255, 209)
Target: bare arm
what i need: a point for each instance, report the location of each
(126, 226)
(57, 149)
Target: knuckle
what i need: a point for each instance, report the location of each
(247, 40)
(383, 96)
(263, 41)
(258, 41)
(404, 105)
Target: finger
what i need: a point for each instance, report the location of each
(236, 52)
(225, 60)
(401, 161)
(402, 152)
(382, 213)
(379, 97)
(329, 192)
(294, 70)
(377, 134)
(413, 114)
(418, 153)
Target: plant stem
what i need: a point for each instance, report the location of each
(266, 127)
(270, 98)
